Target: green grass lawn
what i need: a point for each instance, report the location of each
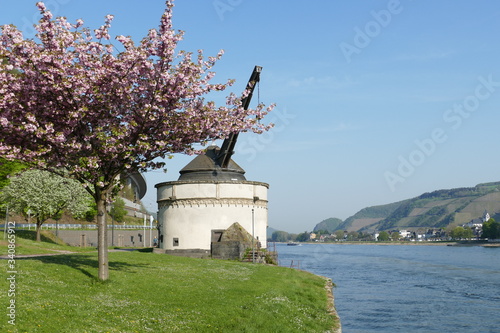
(150, 292)
(50, 244)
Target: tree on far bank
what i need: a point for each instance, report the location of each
(364, 236)
(44, 195)
(321, 232)
(339, 234)
(352, 235)
(72, 100)
(491, 229)
(459, 232)
(303, 237)
(280, 236)
(383, 236)
(468, 233)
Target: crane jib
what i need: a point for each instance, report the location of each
(227, 149)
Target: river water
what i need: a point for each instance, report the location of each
(407, 288)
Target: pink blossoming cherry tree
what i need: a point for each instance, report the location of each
(72, 100)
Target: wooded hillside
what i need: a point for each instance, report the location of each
(437, 209)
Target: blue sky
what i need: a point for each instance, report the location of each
(377, 101)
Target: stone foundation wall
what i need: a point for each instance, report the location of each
(191, 253)
(232, 250)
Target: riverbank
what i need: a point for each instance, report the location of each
(443, 243)
(158, 292)
(162, 293)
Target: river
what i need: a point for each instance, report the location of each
(407, 288)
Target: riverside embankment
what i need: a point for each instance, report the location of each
(157, 292)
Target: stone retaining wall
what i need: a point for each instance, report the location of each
(122, 238)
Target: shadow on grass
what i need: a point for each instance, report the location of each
(31, 235)
(85, 263)
(146, 250)
(132, 249)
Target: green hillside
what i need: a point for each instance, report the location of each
(331, 224)
(437, 209)
(369, 216)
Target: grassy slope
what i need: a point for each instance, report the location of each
(27, 245)
(151, 292)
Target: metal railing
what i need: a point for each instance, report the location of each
(62, 226)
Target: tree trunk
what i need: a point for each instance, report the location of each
(102, 236)
(38, 231)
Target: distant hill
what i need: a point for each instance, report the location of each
(369, 216)
(270, 232)
(329, 225)
(437, 209)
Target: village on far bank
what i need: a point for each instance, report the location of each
(483, 229)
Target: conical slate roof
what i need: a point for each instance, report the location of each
(206, 167)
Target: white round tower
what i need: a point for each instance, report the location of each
(195, 210)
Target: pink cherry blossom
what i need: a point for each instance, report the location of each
(74, 100)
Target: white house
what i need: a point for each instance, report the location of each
(405, 234)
